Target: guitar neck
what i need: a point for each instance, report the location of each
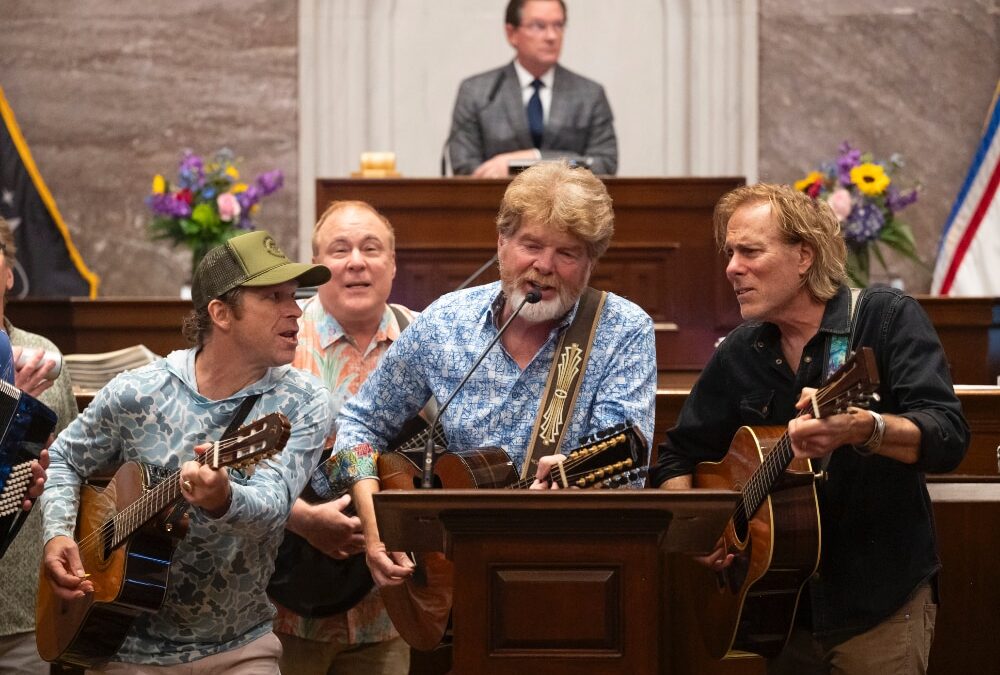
(758, 487)
(131, 519)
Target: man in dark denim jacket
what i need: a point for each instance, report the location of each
(871, 607)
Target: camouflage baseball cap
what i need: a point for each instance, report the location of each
(251, 259)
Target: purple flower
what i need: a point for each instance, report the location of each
(848, 159)
(270, 181)
(169, 205)
(864, 224)
(249, 197)
(191, 171)
(897, 201)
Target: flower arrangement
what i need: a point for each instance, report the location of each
(862, 194)
(208, 204)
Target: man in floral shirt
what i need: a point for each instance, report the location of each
(344, 332)
(216, 616)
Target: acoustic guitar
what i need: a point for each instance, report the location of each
(421, 606)
(774, 532)
(127, 534)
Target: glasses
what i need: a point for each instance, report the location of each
(540, 27)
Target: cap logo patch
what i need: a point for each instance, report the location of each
(271, 247)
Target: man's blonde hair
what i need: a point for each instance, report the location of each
(800, 219)
(567, 199)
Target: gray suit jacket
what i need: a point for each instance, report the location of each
(490, 118)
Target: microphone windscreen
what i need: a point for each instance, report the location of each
(533, 296)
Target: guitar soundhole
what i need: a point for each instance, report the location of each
(107, 539)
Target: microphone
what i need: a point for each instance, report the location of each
(532, 296)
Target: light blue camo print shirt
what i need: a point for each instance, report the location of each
(216, 597)
(498, 405)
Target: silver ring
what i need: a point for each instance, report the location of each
(186, 484)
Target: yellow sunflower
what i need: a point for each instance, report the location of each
(870, 178)
(803, 185)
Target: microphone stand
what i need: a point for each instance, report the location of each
(475, 275)
(427, 481)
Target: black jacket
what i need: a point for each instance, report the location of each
(878, 541)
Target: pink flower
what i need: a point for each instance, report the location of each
(840, 201)
(229, 207)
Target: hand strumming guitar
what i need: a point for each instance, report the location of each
(64, 569)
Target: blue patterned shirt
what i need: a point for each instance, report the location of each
(499, 404)
(216, 597)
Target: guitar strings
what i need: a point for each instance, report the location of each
(162, 489)
(775, 462)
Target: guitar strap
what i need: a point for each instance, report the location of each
(838, 347)
(241, 414)
(179, 510)
(565, 375)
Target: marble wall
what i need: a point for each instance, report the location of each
(913, 77)
(108, 92)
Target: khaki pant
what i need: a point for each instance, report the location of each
(259, 657)
(18, 656)
(900, 645)
(309, 657)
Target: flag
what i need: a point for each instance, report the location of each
(48, 263)
(968, 261)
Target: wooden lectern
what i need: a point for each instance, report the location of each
(556, 581)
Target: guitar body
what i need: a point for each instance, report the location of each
(126, 535)
(420, 607)
(750, 606)
(129, 579)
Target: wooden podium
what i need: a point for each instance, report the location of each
(550, 582)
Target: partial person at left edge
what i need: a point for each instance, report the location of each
(215, 616)
(19, 565)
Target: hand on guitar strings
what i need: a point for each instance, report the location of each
(815, 438)
(205, 487)
(546, 465)
(64, 569)
(326, 527)
(718, 559)
(388, 568)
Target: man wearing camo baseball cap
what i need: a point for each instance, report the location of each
(215, 616)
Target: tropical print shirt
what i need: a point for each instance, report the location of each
(498, 405)
(327, 351)
(215, 599)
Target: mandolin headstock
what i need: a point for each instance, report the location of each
(614, 455)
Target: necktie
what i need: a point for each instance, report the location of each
(536, 119)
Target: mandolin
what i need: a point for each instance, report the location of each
(774, 533)
(127, 534)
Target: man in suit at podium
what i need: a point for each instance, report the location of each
(871, 606)
(531, 108)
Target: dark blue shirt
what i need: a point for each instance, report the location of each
(878, 541)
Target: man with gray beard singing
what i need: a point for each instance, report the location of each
(554, 224)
